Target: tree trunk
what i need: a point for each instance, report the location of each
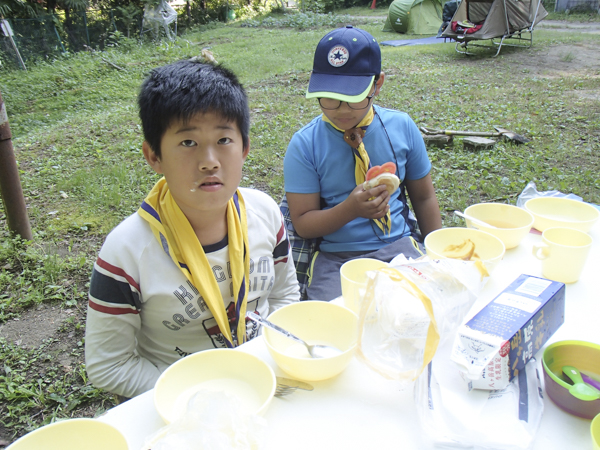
(51, 6)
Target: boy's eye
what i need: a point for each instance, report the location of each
(188, 143)
(225, 140)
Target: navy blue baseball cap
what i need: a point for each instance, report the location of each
(346, 63)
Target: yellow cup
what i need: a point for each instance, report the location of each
(596, 432)
(563, 253)
(353, 275)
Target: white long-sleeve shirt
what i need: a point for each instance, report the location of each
(144, 314)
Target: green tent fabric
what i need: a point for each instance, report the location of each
(414, 16)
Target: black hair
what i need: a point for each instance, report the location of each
(183, 89)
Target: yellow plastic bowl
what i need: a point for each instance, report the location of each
(489, 248)
(596, 432)
(72, 434)
(315, 322)
(232, 371)
(550, 212)
(512, 223)
(353, 275)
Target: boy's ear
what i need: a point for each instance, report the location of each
(379, 83)
(246, 151)
(151, 158)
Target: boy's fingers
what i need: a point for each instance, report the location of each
(383, 198)
(384, 211)
(379, 205)
(376, 191)
(374, 201)
(380, 213)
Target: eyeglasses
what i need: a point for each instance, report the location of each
(330, 103)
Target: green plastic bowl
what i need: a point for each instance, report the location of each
(583, 355)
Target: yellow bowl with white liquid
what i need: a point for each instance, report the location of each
(227, 372)
(315, 322)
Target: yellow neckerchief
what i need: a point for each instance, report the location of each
(177, 237)
(354, 137)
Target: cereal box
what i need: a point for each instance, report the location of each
(492, 347)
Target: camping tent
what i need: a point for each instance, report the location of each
(501, 19)
(414, 16)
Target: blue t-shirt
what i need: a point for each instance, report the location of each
(318, 160)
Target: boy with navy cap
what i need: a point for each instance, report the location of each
(327, 160)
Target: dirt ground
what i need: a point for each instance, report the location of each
(44, 322)
(563, 25)
(35, 325)
(561, 59)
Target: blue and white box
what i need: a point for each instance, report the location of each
(492, 347)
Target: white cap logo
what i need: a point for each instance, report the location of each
(338, 56)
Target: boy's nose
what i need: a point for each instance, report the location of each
(208, 160)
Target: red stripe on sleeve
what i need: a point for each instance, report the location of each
(113, 311)
(117, 271)
(280, 233)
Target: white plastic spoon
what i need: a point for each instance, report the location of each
(316, 351)
(477, 221)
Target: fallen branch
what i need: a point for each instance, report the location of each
(112, 64)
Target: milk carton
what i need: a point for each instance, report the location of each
(492, 347)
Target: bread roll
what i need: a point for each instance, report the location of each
(390, 180)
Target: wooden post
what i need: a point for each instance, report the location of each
(10, 183)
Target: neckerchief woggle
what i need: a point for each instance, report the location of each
(176, 236)
(353, 137)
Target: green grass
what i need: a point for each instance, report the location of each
(31, 381)
(78, 143)
(590, 16)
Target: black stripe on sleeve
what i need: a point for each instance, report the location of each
(281, 250)
(107, 289)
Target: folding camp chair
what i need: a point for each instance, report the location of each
(503, 22)
(303, 250)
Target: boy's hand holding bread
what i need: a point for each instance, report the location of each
(384, 174)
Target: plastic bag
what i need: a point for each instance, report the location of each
(454, 417)
(213, 420)
(408, 309)
(531, 192)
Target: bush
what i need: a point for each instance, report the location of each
(300, 20)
